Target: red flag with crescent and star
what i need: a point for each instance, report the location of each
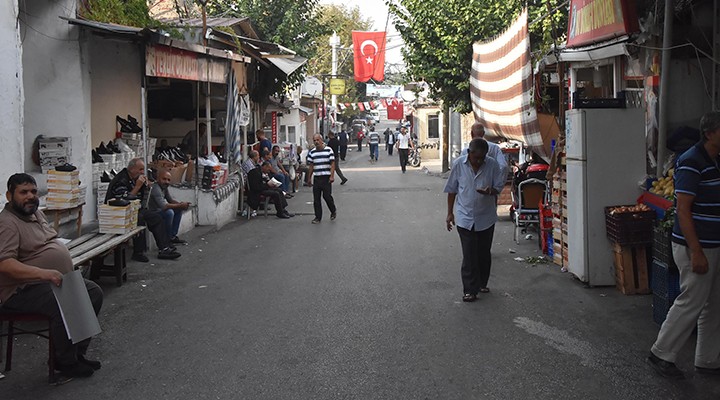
(369, 54)
(395, 110)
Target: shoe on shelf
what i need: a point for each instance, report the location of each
(282, 215)
(177, 240)
(344, 181)
(664, 368)
(95, 365)
(333, 216)
(139, 257)
(168, 254)
(76, 370)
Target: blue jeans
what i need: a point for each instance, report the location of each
(285, 180)
(172, 220)
(374, 150)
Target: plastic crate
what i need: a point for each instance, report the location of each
(662, 247)
(631, 228)
(665, 281)
(660, 307)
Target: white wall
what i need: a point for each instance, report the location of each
(116, 74)
(686, 83)
(56, 84)
(11, 95)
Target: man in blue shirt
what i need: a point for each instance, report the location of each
(696, 251)
(473, 185)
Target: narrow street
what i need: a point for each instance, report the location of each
(364, 307)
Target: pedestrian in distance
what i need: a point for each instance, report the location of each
(343, 138)
(389, 141)
(473, 185)
(360, 137)
(696, 251)
(334, 144)
(374, 143)
(404, 144)
(321, 166)
(494, 151)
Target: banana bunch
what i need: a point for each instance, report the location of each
(664, 186)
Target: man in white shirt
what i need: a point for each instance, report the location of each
(494, 151)
(404, 144)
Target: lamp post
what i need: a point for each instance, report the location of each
(334, 44)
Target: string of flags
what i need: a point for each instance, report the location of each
(395, 107)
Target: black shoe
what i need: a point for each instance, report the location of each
(707, 371)
(289, 214)
(283, 215)
(664, 368)
(168, 254)
(95, 365)
(469, 298)
(177, 240)
(140, 258)
(77, 370)
(343, 181)
(96, 157)
(333, 216)
(102, 149)
(315, 221)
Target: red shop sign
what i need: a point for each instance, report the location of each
(592, 21)
(274, 126)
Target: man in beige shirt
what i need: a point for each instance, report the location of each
(30, 261)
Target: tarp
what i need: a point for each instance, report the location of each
(501, 86)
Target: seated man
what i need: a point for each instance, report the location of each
(265, 156)
(130, 183)
(170, 209)
(252, 162)
(280, 169)
(30, 261)
(258, 187)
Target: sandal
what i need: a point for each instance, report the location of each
(468, 298)
(484, 290)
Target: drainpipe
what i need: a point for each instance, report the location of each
(664, 87)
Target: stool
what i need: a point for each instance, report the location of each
(11, 319)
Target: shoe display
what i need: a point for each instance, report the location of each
(103, 150)
(140, 258)
(177, 240)
(96, 157)
(95, 365)
(76, 370)
(664, 368)
(168, 254)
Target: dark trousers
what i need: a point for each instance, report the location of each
(359, 144)
(39, 299)
(338, 172)
(343, 151)
(390, 149)
(155, 224)
(475, 270)
(322, 188)
(277, 198)
(403, 158)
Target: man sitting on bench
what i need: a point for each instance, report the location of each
(170, 209)
(257, 187)
(132, 183)
(30, 261)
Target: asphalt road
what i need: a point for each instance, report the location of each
(364, 307)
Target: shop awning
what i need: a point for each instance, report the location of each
(596, 51)
(306, 110)
(287, 65)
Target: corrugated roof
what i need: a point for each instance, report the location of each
(104, 26)
(211, 21)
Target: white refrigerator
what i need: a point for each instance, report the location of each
(605, 154)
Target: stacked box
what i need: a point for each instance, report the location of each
(53, 151)
(213, 177)
(117, 220)
(64, 190)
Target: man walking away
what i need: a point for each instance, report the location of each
(389, 141)
(404, 144)
(334, 144)
(321, 164)
(472, 187)
(374, 142)
(343, 138)
(696, 251)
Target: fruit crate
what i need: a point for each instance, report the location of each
(662, 247)
(665, 281)
(630, 228)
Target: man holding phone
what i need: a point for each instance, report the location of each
(170, 209)
(473, 185)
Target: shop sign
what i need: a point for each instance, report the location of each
(169, 62)
(274, 126)
(337, 86)
(592, 21)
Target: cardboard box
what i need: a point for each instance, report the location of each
(177, 173)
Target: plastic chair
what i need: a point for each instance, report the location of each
(530, 193)
(12, 331)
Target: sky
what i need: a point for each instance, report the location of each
(378, 12)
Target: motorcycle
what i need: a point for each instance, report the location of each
(414, 157)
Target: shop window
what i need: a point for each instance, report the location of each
(433, 122)
(282, 134)
(291, 134)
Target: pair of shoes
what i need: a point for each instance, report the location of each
(288, 196)
(95, 365)
(177, 240)
(707, 371)
(344, 181)
(333, 216)
(469, 298)
(76, 370)
(315, 221)
(139, 257)
(664, 368)
(168, 253)
(282, 215)
(484, 290)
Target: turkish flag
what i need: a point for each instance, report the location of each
(384, 103)
(361, 106)
(369, 54)
(395, 110)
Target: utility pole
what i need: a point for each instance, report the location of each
(334, 44)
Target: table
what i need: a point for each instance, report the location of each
(58, 214)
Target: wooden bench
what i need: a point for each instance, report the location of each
(93, 247)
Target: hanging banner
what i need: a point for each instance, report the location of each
(369, 54)
(592, 21)
(169, 62)
(337, 86)
(274, 126)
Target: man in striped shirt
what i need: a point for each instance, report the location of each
(321, 166)
(374, 142)
(696, 251)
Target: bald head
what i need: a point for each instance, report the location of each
(477, 130)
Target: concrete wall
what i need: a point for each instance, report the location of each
(421, 130)
(11, 95)
(686, 83)
(116, 73)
